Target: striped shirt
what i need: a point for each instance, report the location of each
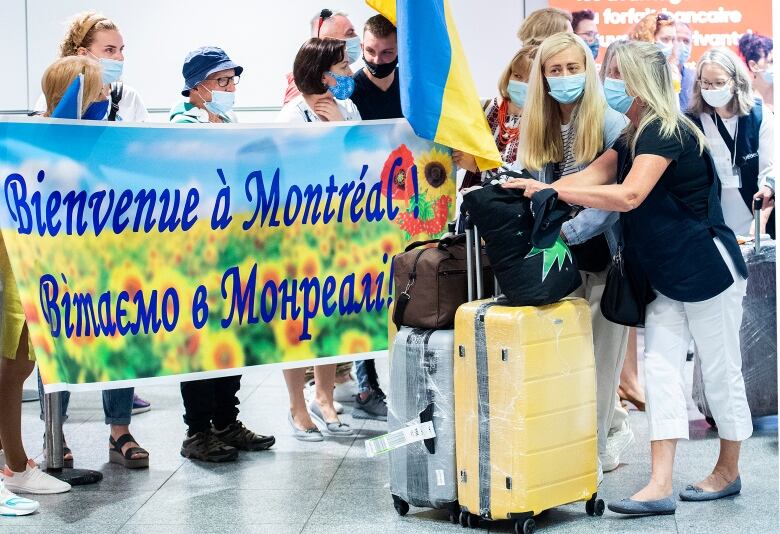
(569, 164)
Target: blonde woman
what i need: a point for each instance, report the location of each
(503, 114)
(566, 125)
(741, 137)
(90, 35)
(98, 37)
(543, 23)
(661, 177)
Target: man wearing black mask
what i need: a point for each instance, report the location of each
(377, 94)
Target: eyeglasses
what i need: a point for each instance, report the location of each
(224, 81)
(719, 84)
(324, 15)
(588, 35)
(663, 16)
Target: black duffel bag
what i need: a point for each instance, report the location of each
(533, 265)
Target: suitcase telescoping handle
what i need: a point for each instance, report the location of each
(473, 260)
(757, 203)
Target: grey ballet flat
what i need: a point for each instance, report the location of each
(335, 428)
(665, 506)
(696, 494)
(310, 434)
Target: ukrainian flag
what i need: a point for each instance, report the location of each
(438, 96)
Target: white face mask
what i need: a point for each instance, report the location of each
(717, 98)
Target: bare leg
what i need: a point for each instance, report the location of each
(12, 376)
(726, 470)
(660, 485)
(295, 379)
(629, 377)
(120, 430)
(324, 378)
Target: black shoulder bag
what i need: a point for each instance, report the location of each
(625, 297)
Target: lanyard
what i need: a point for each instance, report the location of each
(731, 143)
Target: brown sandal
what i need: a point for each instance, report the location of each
(115, 455)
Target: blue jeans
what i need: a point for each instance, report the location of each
(367, 378)
(117, 404)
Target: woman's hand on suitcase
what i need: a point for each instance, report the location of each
(529, 185)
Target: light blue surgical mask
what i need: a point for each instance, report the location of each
(566, 89)
(666, 49)
(111, 69)
(684, 53)
(344, 87)
(222, 102)
(768, 75)
(594, 48)
(615, 93)
(353, 49)
(518, 91)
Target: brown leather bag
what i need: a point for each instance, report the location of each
(431, 282)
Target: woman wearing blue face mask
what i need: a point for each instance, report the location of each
(661, 29)
(687, 73)
(756, 50)
(503, 115)
(322, 74)
(210, 80)
(566, 125)
(93, 35)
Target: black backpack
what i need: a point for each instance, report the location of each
(116, 95)
(533, 265)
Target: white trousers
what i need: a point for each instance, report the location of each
(714, 326)
(610, 341)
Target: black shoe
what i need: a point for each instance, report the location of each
(238, 436)
(205, 446)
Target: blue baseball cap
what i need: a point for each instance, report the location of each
(202, 62)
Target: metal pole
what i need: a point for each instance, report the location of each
(52, 414)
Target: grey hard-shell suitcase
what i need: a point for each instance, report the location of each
(421, 389)
(757, 335)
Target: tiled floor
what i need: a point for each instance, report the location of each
(332, 486)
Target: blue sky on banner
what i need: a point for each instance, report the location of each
(94, 157)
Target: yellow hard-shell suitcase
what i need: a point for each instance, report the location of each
(525, 410)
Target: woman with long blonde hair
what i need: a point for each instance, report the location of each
(661, 177)
(566, 125)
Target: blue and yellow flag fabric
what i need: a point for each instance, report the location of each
(438, 96)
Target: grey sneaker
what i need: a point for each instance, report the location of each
(374, 407)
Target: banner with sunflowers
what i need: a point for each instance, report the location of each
(180, 252)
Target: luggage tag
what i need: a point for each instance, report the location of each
(400, 438)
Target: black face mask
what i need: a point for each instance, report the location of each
(381, 71)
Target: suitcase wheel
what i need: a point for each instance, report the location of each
(400, 505)
(463, 518)
(526, 526)
(595, 506)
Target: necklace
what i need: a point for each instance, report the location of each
(506, 134)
